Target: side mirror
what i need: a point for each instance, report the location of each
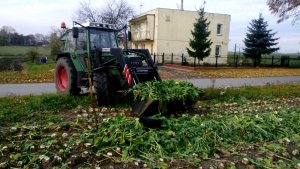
(75, 32)
(129, 35)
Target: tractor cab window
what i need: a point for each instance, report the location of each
(70, 42)
(81, 40)
(63, 39)
(102, 39)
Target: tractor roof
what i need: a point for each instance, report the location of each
(97, 25)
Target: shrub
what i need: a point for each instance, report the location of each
(33, 55)
(11, 64)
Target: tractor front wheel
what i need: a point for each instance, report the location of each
(102, 88)
(65, 77)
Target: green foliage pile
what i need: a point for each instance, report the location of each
(171, 95)
(166, 91)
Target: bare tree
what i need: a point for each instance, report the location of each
(86, 12)
(116, 12)
(285, 9)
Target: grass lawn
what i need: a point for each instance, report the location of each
(33, 73)
(6, 51)
(248, 127)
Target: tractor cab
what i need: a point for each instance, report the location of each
(88, 38)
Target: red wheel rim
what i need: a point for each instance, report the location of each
(62, 78)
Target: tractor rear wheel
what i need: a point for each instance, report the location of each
(65, 77)
(102, 88)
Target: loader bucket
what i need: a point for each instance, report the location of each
(146, 108)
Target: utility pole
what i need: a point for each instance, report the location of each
(299, 49)
(141, 6)
(234, 55)
(181, 8)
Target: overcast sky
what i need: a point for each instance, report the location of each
(38, 16)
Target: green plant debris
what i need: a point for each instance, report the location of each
(170, 94)
(167, 90)
(213, 134)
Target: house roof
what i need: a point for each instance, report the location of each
(144, 14)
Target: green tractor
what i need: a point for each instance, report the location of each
(91, 56)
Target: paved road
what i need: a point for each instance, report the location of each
(40, 88)
(26, 89)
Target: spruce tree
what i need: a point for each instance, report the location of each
(200, 44)
(259, 40)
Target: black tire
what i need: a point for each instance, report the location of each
(66, 77)
(101, 85)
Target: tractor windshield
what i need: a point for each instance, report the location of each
(102, 39)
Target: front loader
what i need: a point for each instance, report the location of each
(91, 56)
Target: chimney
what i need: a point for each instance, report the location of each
(181, 5)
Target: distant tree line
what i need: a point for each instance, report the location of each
(9, 36)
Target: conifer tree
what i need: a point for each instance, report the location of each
(200, 42)
(259, 40)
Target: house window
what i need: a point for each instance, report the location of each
(168, 19)
(219, 29)
(138, 31)
(218, 50)
(142, 45)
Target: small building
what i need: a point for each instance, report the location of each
(169, 31)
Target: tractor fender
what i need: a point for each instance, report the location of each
(67, 55)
